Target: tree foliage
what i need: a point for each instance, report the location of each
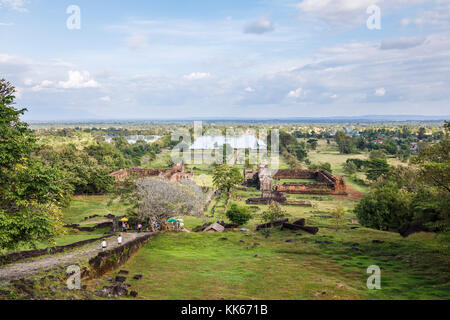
(159, 199)
(238, 214)
(226, 178)
(30, 192)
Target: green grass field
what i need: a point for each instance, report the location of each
(287, 265)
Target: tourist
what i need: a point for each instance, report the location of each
(139, 228)
(104, 244)
(119, 240)
(124, 227)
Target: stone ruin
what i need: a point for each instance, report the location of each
(263, 179)
(176, 174)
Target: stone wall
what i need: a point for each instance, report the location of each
(326, 182)
(112, 259)
(176, 174)
(16, 256)
(296, 174)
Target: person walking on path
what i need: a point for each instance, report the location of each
(124, 227)
(119, 240)
(139, 228)
(104, 245)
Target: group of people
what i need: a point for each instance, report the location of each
(126, 226)
(119, 242)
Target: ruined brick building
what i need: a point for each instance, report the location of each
(176, 174)
(324, 182)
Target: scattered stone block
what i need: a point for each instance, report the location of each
(120, 279)
(137, 277)
(134, 294)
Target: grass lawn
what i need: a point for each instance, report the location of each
(86, 206)
(246, 265)
(238, 265)
(288, 264)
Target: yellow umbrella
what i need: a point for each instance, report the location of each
(124, 219)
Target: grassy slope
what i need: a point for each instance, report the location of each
(207, 266)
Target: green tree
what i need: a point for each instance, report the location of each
(238, 214)
(226, 178)
(338, 216)
(344, 142)
(30, 193)
(384, 207)
(273, 213)
(350, 168)
(313, 143)
(377, 168)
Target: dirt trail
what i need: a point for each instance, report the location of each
(26, 268)
(94, 222)
(352, 194)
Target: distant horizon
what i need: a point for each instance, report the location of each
(368, 118)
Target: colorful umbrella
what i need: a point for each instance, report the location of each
(124, 220)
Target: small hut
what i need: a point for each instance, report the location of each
(215, 227)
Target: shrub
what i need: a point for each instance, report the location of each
(384, 207)
(275, 212)
(239, 215)
(321, 166)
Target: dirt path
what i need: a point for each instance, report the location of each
(352, 194)
(94, 222)
(45, 263)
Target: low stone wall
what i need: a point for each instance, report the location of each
(110, 225)
(112, 259)
(296, 174)
(16, 256)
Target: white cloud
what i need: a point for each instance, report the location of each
(197, 76)
(260, 26)
(78, 80)
(249, 89)
(45, 84)
(380, 92)
(352, 12)
(18, 5)
(105, 99)
(298, 93)
(137, 41)
(402, 43)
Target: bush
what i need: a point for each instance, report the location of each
(350, 168)
(321, 166)
(384, 207)
(239, 215)
(275, 212)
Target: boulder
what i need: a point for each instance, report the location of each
(120, 279)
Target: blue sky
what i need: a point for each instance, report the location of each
(253, 59)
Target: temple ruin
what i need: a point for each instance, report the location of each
(176, 174)
(321, 182)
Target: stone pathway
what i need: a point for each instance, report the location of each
(26, 268)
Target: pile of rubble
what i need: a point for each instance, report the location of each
(118, 287)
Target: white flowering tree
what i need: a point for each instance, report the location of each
(160, 199)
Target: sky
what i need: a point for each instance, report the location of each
(226, 59)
